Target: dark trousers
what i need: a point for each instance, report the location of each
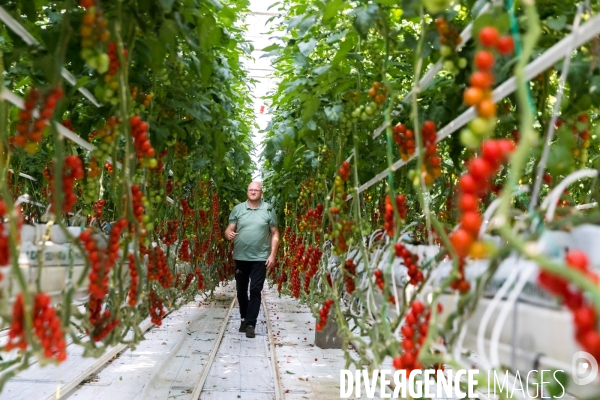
(255, 273)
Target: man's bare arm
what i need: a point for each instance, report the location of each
(274, 246)
(230, 233)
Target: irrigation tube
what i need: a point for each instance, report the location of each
(512, 298)
(534, 68)
(30, 40)
(489, 312)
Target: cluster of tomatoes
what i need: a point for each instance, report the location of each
(449, 40)
(72, 170)
(296, 265)
(157, 310)
(479, 94)
(143, 148)
(312, 257)
(295, 282)
(138, 204)
(584, 314)
(410, 262)
(104, 138)
(4, 239)
(46, 325)
(169, 237)
(188, 280)
(92, 181)
(104, 326)
(94, 32)
(344, 171)
(200, 279)
(349, 275)
(338, 198)
(379, 281)
(324, 314)
(312, 219)
(475, 183)
(388, 224)
(306, 192)
(405, 139)
(210, 257)
(215, 209)
(580, 129)
(186, 209)
(98, 208)
(414, 331)
(102, 260)
(158, 269)
(377, 93)
(29, 128)
(134, 281)
(111, 80)
(184, 250)
(144, 99)
(432, 161)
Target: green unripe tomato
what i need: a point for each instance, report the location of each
(479, 126)
(103, 63)
(468, 139)
(462, 63)
(445, 51)
(364, 116)
(449, 65)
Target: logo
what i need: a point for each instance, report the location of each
(585, 368)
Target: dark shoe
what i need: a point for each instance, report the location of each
(243, 326)
(249, 331)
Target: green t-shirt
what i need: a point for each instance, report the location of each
(253, 242)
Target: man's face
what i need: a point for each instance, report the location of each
(254, 192)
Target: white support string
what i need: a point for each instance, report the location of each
(586, 32)
(17, 28)
(31, 178)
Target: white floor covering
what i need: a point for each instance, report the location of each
(170, 362)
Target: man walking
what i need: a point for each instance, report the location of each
(253, 228)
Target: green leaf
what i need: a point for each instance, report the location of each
(272, 47)
(364, 18)
(557, 23)
(387, 2)
(310, 108)
(166, 5)
(332, 8)
(168, 32)
(321, 70)
(334, 113)
(345, 48)
(306, 25)
(336, 36)
(307, 47)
